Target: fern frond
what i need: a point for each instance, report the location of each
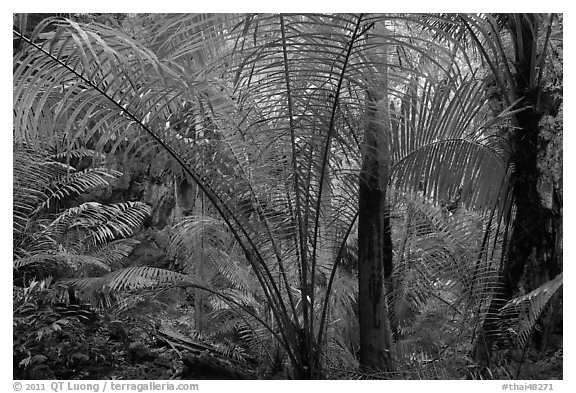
(130, 279)
(79, 153)
(441, 260)
(115, 251)
(98, 223)
(56, 259)
(519, 315)
(40, 183)
(30, 180)
(101, 291)
(77, 183)
(202, 240)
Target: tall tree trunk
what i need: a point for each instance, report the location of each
(374, 241)
(526, 239)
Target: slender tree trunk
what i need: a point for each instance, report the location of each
(374, 242)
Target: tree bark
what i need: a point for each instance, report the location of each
(526, 240)
(374, 243)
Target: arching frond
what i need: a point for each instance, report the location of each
(40, 182)
(519, 315)
(77, 183)
(441, 263)
(92, 223)
(204, 243)
(439, 144)
(30, 181)
(101, 290)
(60, 259)
(115, 251)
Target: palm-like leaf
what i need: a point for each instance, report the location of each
(40, 181)
(442, 263)
(519, 315)
(51, 260)
(101, 291)
(112, 253)
(92, 223)
(205, 242)
(76, 183)
(30, 179)
(78, 238)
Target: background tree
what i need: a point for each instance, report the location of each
(517, 68)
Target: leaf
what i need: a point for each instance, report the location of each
(59, 259)
(102, 291)
(25, 362)
(519, 315)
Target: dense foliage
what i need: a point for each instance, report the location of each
(287, 196)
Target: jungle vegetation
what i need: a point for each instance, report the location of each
(287, 196)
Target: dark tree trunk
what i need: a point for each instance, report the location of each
(374, 245)
(525, 249)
